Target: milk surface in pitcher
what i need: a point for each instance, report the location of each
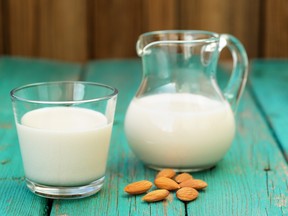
(179, 130)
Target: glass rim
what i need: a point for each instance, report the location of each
(142, 44)
(213, 35)
(13, 92)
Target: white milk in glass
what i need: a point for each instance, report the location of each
(64, 146)
(179, 130)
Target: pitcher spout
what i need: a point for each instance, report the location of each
(150, 39)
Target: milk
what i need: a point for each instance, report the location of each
(182, 131)
(64, 146)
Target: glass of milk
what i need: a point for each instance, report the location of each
(64, 131)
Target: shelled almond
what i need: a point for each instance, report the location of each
(187, 194)
(168, 173)
(184, 184)
(197, 184)
(138, 187)
(156, 195)
(166, 183)
(183, 177)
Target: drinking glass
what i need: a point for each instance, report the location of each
(64, 130)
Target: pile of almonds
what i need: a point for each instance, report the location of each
(166, 180)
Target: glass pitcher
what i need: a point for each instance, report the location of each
(179, 117)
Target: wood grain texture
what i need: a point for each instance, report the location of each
(269, 86)
(4, 27)
(1, 29)
(275, 42)
(123, 168)
(250, 180)
(224, 16)
(80, 30)
(50, 29)
(62, 29)
(15, 198)
(22, 20)
(159, 15)
(115, 28)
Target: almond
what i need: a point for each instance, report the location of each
(187, 194)
(156, 195)
(166, 183)
(168, 173)
(183, 177)
(194, 183)
(138, 187)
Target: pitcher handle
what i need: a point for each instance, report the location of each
(237, 81)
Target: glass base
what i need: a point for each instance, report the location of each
(74, 192)
(184, 169)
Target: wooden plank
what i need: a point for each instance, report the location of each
(49, 28)
(123, 167)
(21, 19)
(63, 30)
(1, 29)
(269, 84)
(250, 180)
(275, 33)
(74, 30)
(15, 198)
(159, 15)
(115, 28)
(239, 18)
(117, 74)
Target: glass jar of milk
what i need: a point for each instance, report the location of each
(180, 118)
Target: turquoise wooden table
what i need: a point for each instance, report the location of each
(252, 179)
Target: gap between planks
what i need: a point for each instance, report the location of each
(266, 119)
